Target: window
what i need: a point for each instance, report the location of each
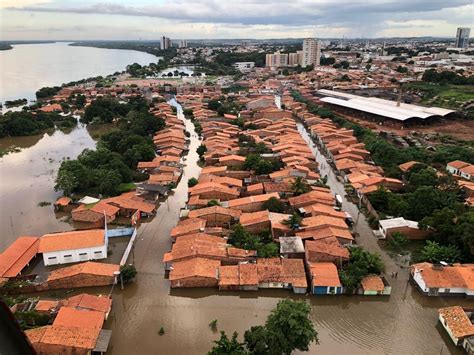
(98, 254)
(83, 256)
(332, 290)
(68, 256)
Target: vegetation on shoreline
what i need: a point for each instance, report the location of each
(14, 103)
(24, 123)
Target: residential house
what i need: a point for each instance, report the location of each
(401, 225)
(282, 273)
(196, 272)
(324, 279)
(216, 216)
(440, 280)
(458, 324)
(243, 277)
(18, 256)
(374, 285)
(291, 247)
(251, 203)
(326, 250)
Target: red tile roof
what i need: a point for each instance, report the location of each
(324, 274)
(197, 267)
(18, 255)
(91, 268)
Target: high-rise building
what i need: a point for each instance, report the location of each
(462, 37)
(276, 59)
(245, 43)
(165, 43)
(183, 43)
(311, 52)
(294, 59)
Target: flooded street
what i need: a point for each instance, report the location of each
(27, 178)
(404, 323)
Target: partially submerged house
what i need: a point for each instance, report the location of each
(324, 279)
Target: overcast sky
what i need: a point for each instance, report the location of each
(196, 19)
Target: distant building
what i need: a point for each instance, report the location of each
(462, 37)
(276, 60)
(245, 43)
(294, 59)
(183, 43)
(311, 52)
(244, 66)
(165, 43)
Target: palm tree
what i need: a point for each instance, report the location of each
(299, 186)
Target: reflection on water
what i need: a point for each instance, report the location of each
(27, 178)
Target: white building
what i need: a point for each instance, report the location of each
(440, 280)
(462, 37)
(311, 52)
(244, 66)
(294, 59)
(276, 60)
(73, 246)
(183, 43)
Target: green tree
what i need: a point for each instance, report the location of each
(274, 205)
(201, 150)
(294, 221)
(128, 272)
(433, 252)
(226, 346)
(298, 186)
(289, 328)
(192, 182)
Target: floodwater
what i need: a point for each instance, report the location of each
(404, 323)
(29, 67)
(27, 178)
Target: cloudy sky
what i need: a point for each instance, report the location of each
(196, 19)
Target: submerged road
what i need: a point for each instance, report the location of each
(404, 323)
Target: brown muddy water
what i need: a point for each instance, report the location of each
(27, 178)
(404, 323)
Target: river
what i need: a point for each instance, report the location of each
(29, 67)
(404, 323)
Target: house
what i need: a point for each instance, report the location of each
(188, 226)
(324, 279)
(405, 167)
(436, 280)
(206, 246)
(455, 167)
(326, 250)
(342, 235)
(214, 191)
(374, 285)
(74, 331)
(18, 256)
(86, 274)
(97, 215)
(282, 273)
(196, 272)
(61, 203)
(216, 216)
(251, 203)
(322, 221)
(91, 302)
(467, 172)
(311, 198)
(243, 277)
(458, 324)
(291, 247)
(73, 246)
(401, 225)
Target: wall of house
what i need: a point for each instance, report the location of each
(450, 333)
(74, 256)
(325, 290)
(197, 281)
(77, 281)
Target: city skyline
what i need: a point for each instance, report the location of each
(208, 19)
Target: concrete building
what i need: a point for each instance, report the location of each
(462, 37)
(401, 225)
(294, 59)
(183, 43)
(73, 246)
(276, 59)
(311, 52)
(165, 43)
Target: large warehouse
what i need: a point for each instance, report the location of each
(375, 109)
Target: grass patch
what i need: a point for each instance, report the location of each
(125, 187)
(448, 95)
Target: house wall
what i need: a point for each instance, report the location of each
(197, 281)
(325, 290)
(258, 227)
(411, 233)
(76, 255)
(455, 340)
(77, 281)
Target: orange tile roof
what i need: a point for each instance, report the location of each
(252, 199)
(458, 164)
(91, 302)
(457, 276)
(80, 318)
(324, 274)
(18, 255)
(372, 283)
(196, 267)
(323, 221)
(457, 321)
(188, 226)
(247, 219)
(326, 247)
(46, 305)
(89, 267)
(70, 337)
(63, 201)
(214, 210)
(72, 240)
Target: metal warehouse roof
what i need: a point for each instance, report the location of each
(381, 107)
